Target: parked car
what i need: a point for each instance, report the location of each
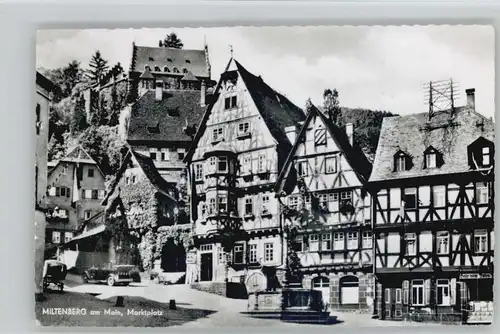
(114, 275)
(54, 272)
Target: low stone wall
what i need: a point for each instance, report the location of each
(216, 288)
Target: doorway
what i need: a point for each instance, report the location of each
(322, 283)
(349, 290)
(393, 304)
(206, 269)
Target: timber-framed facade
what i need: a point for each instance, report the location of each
(432, 190)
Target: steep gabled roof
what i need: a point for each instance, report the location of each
(165, 120)
(353, 153)
(192, 60)
(77, 155)
(413, 134)
(147, 165)
(276, 110)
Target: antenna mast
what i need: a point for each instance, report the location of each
(441, 96)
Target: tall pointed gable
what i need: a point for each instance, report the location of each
(275, 109)
(352, 153)
(77, 155)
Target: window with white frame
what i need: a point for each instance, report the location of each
(63, 213)
(246, 165)
(101, 194)
(211, 206)
(346, 195)
(217, 134)
(238, 253)
(243, 129)
(352, 240)
(222, 203)
(323, 201)
(480, 241)
(338, 240)
(248, 206)
(268, 252)
(331, 165)
(326, 241)
(443, 292)
(262, 164)
(314, 242)
(64, 170)
(417, 292)
(198, 172)
(439, 196)
(400, 162)
(430, 159)
(56, 237)
(203, 209)
(293, 202)
(222, 255)
(212, 163)
(181, 153)
(398, 296)
(302, 168)
(485, 155)
(87, 214)
(222, 165)
(265, 204)
(68, 236)
(252, 253)
(482, 193)
(367, 239)
(410, 244)
(153, 153)
(230, 102)
(443, 242)
(87, 193)
(165, 154)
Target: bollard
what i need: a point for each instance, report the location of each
(172, 305)
(119, 301)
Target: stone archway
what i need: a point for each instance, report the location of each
(173, 257)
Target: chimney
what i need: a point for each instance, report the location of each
(203, 93)
(349, 130)
(159, 90)
(471, 98)
(291, 133)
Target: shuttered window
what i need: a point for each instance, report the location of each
(417, 292)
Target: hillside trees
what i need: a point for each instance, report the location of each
(171, 41)
(97, 68)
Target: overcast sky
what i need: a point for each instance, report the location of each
(381, 68)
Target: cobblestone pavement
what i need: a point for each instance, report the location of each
(227, 311)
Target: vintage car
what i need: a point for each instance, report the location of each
(111, 275)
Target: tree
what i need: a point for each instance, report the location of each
(71, 77)
(79, 117)
(98, 67)
(331, 105)
(171, 41)
(114, 113)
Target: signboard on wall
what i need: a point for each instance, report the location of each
(475, 276)
(191, 258)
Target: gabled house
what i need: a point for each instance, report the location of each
(233, 166)
(75, 189)
(433, 207)
(326, 211)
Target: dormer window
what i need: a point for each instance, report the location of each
(402, 162)
(147, 68)
(165, 69)
(184, 70)
(188, 61)
(176, 70)
(481, 154)
(433, 158)
(169, 60)
(485, 156)
(151, 59)
(157, 68)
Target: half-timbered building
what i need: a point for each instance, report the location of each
(233, 167)
(432, 192)
(321, 190)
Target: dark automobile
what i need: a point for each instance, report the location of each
(54, 272)
(113, 275)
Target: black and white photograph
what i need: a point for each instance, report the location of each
(279, 177)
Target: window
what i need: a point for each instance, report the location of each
(68, 236)
(439, 196)
(169, 60)
(331, 165)
(165, 156)
(59, 191)
(238, 254)
(37, 118)
(352, 240)
(430, 159)
(338, 240)
(87, 214)
(176, 70)
(367, 239)
(314, 242)
(222, 255)
(184, 70)
(346, 195)
(485, 155)
(398, 296)
(101, 194)
(246, 165)
(211, 206)
(95, 193)
(482, 193)
(268, 252)
(298, 244)
(320, 137)
(410, 198)
(165, 69)
(293, 202)
(134, 178)
(198, 172)
(64, 170)
(222, 164)
(443, 241)
(302, 168)
(480, 241)
(410, 244)
(265, 204)
(400, 163)
(127, 180)
(248, 206)
(262, 164)
(326, 241)
(243, 129)
(181, 153)
(252, 253)
(62, 213)
(212, 163)
(222, 203)
(152, 153)
(230, 102)
(157, 68)
(90, 172)
(417, 291)
(188, 61)
(443, 292)
(56, 237)
(323, 201)
(217, 134)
